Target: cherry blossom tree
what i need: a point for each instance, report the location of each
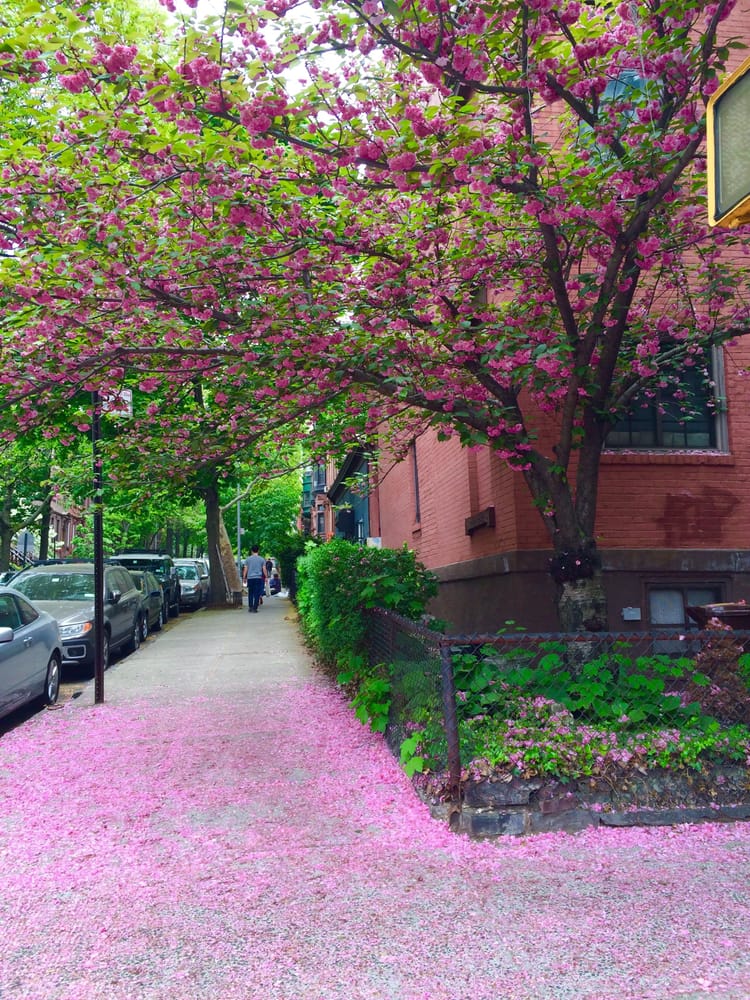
(488, 219)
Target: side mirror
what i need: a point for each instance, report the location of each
(114, 596)
(6, 635)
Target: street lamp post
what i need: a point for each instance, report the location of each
(239, 533)
(118, 404)
(96, 416)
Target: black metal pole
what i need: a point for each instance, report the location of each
(451, 722)
(98, 552)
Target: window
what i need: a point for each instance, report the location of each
(119, 579)
(618, 106)
(319, 478)
(667, 605)
(9, 617)
(27, 613)
(415, 479)
(681, 413)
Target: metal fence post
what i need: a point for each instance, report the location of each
(451, 722)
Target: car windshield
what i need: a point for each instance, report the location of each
(57, 586)
(187, 572)
(151, 565)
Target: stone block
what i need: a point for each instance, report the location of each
(554, 799)
(492, 824)
(492, 794)
(657, 817)
(569, 822)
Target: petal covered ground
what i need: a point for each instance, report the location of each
(265, 846)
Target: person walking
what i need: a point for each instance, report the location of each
(254, 575)
(269, 571)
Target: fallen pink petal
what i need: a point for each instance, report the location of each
(241, 836)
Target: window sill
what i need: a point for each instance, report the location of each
(667, 456)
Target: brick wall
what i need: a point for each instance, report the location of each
(646, 500)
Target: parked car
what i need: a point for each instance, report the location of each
(152, 601)
(66, 591)
(205, 572)
(202, 567)
(30, 653)
(191, 591)
(162, 566)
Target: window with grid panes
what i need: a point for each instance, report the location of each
(680, 414)
(666, 605)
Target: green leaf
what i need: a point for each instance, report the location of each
(415, 765)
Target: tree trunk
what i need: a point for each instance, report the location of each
(225, 578)
(46, 511)
(582, 605)
(574, 566)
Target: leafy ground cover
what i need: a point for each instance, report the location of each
(526, 711)
(529, 713)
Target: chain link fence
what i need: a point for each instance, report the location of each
(639, 679)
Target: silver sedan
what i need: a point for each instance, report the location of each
(30, 653)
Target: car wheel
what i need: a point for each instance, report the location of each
(52, 681)
(175, 609)
(160, 620)
(144, 627)
(135, 636)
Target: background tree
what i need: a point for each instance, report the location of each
(272, 510)
(26, 491)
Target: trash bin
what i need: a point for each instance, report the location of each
(735, 614)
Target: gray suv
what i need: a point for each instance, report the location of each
(163, 568)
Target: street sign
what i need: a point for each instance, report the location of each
(728, 148)
(117, 404)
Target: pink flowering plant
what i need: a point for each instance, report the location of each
(543, 738)
(531, 714)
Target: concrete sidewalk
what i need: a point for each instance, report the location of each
(223, 828)
(211, 651)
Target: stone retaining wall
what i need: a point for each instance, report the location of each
(512, 806)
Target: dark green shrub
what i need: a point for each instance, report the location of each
(288, 552)
(337, 582)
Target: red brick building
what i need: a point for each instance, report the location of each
(673, 523)
(673, 528)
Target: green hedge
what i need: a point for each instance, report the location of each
(339, 580)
